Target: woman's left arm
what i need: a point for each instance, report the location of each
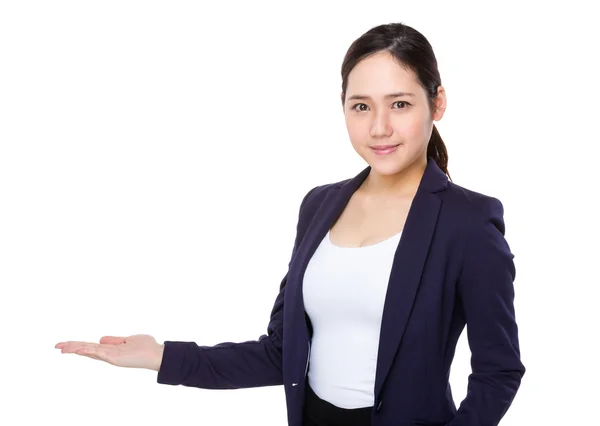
(486, 293)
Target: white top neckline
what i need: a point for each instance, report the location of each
(393, 238)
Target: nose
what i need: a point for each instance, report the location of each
(380, 127)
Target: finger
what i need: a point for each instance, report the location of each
(72, 347)
(105, 340)
(112, 340)
(61, 345)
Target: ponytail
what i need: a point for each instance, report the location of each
(436, 149)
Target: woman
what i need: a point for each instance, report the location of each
(386, 270)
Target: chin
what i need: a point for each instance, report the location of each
(386, 169)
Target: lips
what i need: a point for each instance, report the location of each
(384, 149)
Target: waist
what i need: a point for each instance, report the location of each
(319, 412)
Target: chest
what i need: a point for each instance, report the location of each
(365, 222)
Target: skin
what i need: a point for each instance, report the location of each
(379, 206)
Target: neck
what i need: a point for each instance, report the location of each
(404, 183)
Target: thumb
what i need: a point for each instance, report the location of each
(112, 340)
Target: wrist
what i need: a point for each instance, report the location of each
(159, 356)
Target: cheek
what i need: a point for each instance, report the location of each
(358, 130)
(413, 130)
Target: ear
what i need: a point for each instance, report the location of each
(440, 104)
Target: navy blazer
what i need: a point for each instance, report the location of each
(452, 267)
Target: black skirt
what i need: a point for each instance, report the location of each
(318, 412)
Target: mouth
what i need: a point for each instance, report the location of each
(384, 149)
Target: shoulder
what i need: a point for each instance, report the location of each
(474, 208)
(482, 219)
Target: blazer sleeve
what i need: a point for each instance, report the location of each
(486, 293)
(231, 365)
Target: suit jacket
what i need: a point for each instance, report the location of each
(452, 267)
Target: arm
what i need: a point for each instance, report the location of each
(232, 365)
(486, 293)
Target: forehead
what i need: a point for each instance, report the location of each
(379, 74)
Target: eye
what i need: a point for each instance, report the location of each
(402, 102)
(355, 105)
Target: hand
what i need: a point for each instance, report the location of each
(139, 351)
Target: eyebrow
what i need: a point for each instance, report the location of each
(390, 95)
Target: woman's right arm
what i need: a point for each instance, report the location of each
(231, 365)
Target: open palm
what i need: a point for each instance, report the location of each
(138, 351)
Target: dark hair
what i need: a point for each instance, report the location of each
(413, 52)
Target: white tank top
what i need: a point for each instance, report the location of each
(344, 292)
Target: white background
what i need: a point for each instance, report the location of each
(154, 155)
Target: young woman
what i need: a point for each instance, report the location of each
(386, 270)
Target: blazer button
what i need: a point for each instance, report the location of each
(379, 405)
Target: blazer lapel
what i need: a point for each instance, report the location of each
(407, 268)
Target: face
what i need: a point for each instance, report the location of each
(388, 129)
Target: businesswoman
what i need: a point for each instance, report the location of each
(386, 270)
